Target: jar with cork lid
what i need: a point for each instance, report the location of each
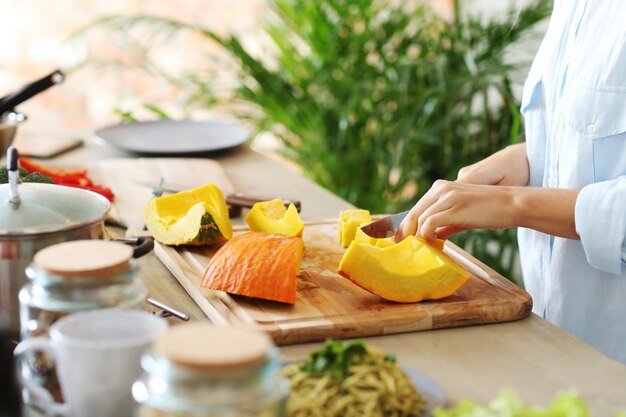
(75, 276)
(199, 370)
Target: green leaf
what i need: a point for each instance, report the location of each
(335, 358)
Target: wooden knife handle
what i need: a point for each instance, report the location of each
(237, 201)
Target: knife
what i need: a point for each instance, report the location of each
(385, 227)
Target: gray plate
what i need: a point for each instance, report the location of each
(427, 387)
(168, 137)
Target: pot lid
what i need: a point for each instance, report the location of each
(45, 208)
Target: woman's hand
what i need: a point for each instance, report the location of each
(449, 208)
(452, 207)
(506, 167)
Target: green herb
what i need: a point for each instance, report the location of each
(336, 357)
(390, 357)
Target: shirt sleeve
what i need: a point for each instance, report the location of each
(600, 217)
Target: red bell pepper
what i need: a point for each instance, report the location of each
(69, 177)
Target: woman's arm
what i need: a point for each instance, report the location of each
(451, 207)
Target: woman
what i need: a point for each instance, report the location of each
(566, 186)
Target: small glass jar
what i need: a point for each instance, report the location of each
(70, 277)
(78, 276)
(198, 370)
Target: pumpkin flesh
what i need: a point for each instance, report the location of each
(410, 271)
(194, 217)
(257, 264)
(362, 237)
(350, 222)
(272, 217)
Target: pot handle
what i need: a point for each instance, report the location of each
(143, 245)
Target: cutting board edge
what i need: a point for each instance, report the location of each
(314, 334)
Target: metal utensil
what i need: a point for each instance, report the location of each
(166, 310)
(385, 227)
(8, 102)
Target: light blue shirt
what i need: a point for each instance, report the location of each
(574, 106)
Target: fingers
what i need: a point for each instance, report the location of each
(427, 229)
(409, 225)
(446, 232)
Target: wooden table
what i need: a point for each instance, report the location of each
(532, 356)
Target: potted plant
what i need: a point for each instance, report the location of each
(371, 99)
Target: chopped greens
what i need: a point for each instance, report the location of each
(336, 357)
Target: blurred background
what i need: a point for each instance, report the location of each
(38, 31)
(403, 92)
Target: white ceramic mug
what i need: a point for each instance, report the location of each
(97, 358)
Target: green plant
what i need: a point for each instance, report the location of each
(374, 101)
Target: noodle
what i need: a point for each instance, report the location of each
(373, 387)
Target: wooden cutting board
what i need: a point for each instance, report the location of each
(130, 181)
(329, 305)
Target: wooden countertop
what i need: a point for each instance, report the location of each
(532, 356)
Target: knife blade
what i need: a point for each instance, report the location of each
(385, 227)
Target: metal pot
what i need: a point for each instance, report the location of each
(34, 216)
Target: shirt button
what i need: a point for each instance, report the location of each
(592, 128)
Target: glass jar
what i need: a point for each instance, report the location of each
(198, 370)
(70, 277)
(78, 276)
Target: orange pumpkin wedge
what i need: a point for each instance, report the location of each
(257, 264)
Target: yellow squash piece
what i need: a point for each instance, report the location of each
(272, 217)
(194, 217)
(349, 222)
(361, 237)
(410, 271)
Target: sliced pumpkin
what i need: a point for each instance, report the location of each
(349, 222)
(410, 271)
(272, 217)
(362, 237)
(194, 217)
(257, 264)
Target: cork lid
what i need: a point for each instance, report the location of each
(202, 346)
(85, 259)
